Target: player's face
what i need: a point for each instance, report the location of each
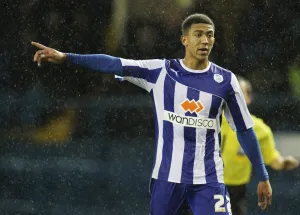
(199, 41)
(247, 91)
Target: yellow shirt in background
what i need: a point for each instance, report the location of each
(237, 170)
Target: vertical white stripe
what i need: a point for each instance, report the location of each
(229, 117)
(199, 165)
(158, 95)
(178, 137)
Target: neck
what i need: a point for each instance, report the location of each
(195, 64)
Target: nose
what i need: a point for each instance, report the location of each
(204, 40)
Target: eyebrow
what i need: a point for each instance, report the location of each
(209, 31)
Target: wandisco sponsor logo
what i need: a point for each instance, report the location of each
(196, 122)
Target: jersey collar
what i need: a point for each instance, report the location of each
(195, 71)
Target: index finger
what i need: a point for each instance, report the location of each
(38, 45)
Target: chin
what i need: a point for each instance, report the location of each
(202, 58)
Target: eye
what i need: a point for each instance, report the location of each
(210, 35)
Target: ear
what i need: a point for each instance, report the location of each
(184, 40)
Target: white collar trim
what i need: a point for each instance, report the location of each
(195, 71)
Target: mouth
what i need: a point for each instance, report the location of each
(203, 50)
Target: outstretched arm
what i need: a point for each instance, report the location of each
(98, 62)
(143, 73)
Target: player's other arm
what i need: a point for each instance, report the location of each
(239, 119)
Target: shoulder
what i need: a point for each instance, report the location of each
(221, 73)
(220, 70)
(225, 78)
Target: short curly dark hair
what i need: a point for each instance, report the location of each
(194, 19)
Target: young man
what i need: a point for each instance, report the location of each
(189, 97)
(237, 172)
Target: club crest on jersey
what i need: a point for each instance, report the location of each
(218, 78)
(192, 106)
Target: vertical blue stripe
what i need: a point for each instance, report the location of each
(236, 113)
(210, 166)
(189, 143)
(168, 132)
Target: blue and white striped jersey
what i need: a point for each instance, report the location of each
(188, 105)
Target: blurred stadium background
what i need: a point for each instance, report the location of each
(78, 142)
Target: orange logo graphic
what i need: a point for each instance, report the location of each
(192, 106)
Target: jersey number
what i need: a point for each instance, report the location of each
(219, 206)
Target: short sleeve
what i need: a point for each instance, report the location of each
(143, 73)
(236, 110)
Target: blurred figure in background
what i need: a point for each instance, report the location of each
(57, 129)
(237, 171)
